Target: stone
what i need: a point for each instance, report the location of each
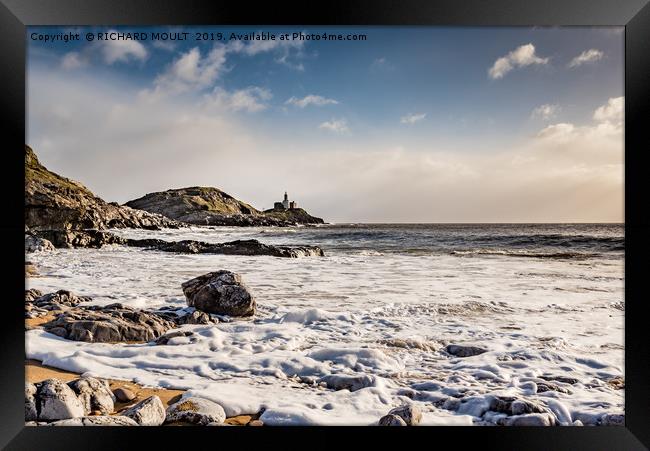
(56, 401)
(112, 323)
(123, 394)
(148, 412)
(464, 351)
(347, 381)
(37, 244)
(255, 423)
(411, 414)
(515, 406)
(102, 420)
(391, 420)
(80, 238)
(31, 413)
(176, 334)
(32, 294)
(220, 292)
(531, 419)
(95, 394)
(59, 299)
(196, 411)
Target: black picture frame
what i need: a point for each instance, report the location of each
(15, 15)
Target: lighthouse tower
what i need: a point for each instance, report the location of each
(285, 202)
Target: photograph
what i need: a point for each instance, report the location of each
(324, 225)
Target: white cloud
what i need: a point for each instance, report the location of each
(412, 118)
(310, 100)
(587, 56)
(546, 112)
(335, 125)
(251, 99)
(73, 60)
(612, 112)
(522, 56)
(169, 46)
(286, 50)
(122, 51)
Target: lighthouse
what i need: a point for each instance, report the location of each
(285, 201)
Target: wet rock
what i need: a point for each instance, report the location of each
(515, 406)
(612, 419)
(411, 415)
(148, 412)
(549, 386)
(37, 244)
(123, 394)
(112, 323)
(220, 292)
(102, 420)
(196, 411)
(56, 401)
(239, 247)
(80, 238)
(392, 420)
(347, 382)
(177, 334)
(531, 419)
(30, 402)
(196, 317)
(32, 294)
(95, 394)
(59, 299)
(464, 351)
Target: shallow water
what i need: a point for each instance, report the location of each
(545, 300)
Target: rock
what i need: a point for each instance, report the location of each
(612, 419)
(165, 338)
(531, 419)
(239, 420)
(211, 206)
(36, 244)
(549, 386)
(239, 247)
(515, 406)
(30, 270)
(80, 238)
(391, 420)
(54, 202)
(196, 411)
(617, 383)
(123, 394)
(411, 414)
(563, 379)
(102, 420)
(112, 323)
(30, 402)
(255, 423)
(56, 401)
(464, 351)
(347, 382)
(221, 292)
(148, 412)
(196, 317)
(32, 294)
(94, 394)
(59, 299)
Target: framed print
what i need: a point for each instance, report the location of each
(352, 216)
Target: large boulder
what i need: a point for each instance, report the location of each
(196, 411)
(148, 412)
(113, 323)
(94, 394)
(56, 401)
(220, 292)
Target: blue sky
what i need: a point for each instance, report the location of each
(415, 124)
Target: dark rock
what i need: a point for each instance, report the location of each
(347, 381)
(165, 338)
(80, 238)
(56, 202)
(36, 244)
(563, 379)
(392, 420)
(59, 300)
(148, 412)
(196, 411)
(549, 386)
(464, 351)
(239, 247)
(94, 394)
(123, 394)
(112, 323)
(221, 292)
(32, 294)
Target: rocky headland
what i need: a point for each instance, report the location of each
(211, 206)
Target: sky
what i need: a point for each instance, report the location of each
(412, 124)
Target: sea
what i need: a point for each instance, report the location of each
(342, 339)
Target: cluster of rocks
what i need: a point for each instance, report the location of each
(215, 293)
(89, 401)
(407, 415)
(238, 247)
